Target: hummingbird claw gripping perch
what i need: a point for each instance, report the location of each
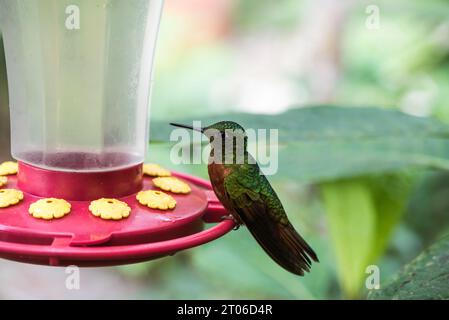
(238, 224)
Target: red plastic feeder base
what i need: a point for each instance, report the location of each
(87, 241)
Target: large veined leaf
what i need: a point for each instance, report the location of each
(326, 143)
(326, 122)
(426, 277)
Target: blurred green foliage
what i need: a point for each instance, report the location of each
(349, 154)
(349, 181)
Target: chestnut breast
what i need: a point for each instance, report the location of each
(217, 175)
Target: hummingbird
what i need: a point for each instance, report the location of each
(247, 195)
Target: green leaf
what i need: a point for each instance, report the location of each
(426, 277)
(351, 219)
(326, 143)
(428, 207)
(390, 195)
(362, 214)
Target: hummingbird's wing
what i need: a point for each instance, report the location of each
(257, 205)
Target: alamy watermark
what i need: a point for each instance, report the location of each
(372, 282)
(73, 20)
(229, 146)
(372, 21)
(73, 279)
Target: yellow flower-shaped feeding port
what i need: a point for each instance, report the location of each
(155, 170)
(8, 168)
(3, 181)
(49, 209)
(156, 200)
(110, 209)
(10, 197)
(172, 184)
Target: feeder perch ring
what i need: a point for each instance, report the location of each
(84, 240)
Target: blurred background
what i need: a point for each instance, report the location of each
(265, 57)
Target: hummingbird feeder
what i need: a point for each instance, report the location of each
(79, 78)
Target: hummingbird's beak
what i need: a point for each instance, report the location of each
(187, 127)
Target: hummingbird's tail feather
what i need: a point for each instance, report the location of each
(281, 242)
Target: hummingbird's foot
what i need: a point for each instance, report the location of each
(232, 218)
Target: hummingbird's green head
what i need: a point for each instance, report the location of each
(224, 126)
(226, 130)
